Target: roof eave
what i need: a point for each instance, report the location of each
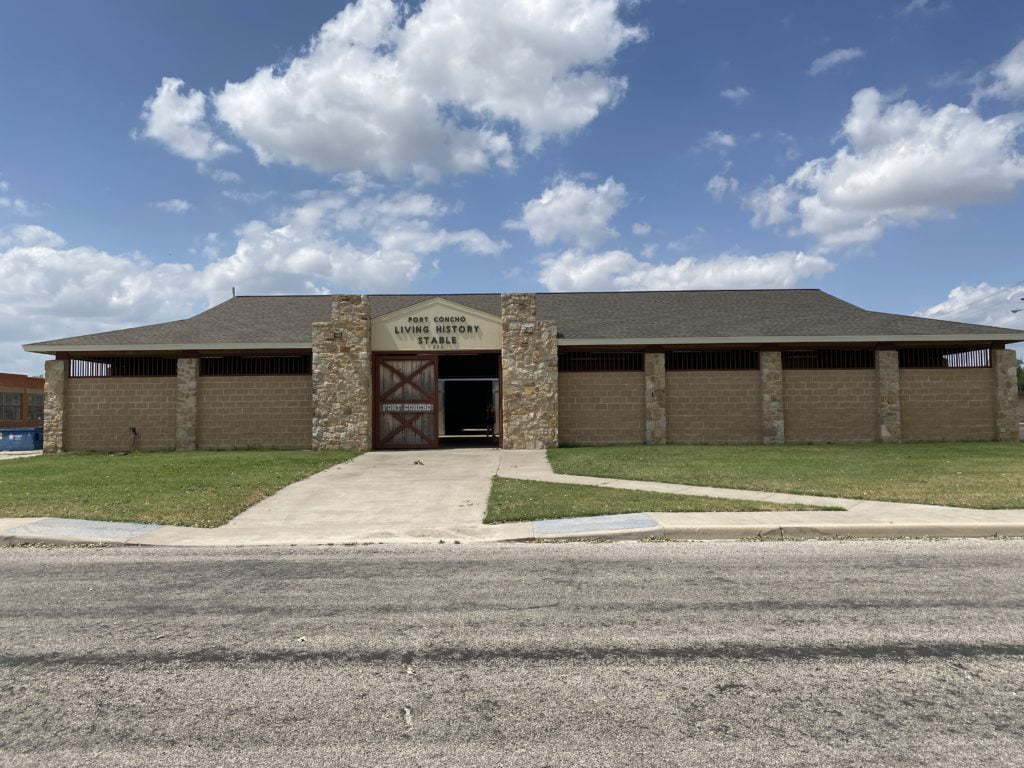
(906, 338)
(48, 348)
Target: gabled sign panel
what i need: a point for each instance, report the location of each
(435, 325)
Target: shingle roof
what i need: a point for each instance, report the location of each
(282, 321)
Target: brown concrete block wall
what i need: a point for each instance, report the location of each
(831, 406)
(947, 403)
(254, 412)
(713, 406)
(98, 413)
(598, 408)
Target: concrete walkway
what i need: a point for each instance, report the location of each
(432, 496)
(382, 496)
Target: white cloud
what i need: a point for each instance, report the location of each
(575, 270)
(246, 197)
(925, 6)
(332, 240)
(1006, 77)
(718, 186)
(450, 87)
(736, 95)
(901, 164)
(982, 303)
(30, 235)
(174, 205)
(329, 242)
(641, 228)
(178, 120)
(573, 212)
(719, 140)
(833, 59)
(8, 201)
(218, 174)
(51, 290)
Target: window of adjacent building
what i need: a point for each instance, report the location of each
(35, 406)
(10, 406)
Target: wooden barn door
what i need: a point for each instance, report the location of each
(405, 392)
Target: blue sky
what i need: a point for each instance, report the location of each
(153, 155)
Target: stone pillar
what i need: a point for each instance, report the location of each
(655, 420)
(185, 404)
(890, 419)
(53, 405)
(773, 417)
(529, 375)
(342, 389)
(1004, 370)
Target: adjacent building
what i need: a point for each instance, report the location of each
(530, 371)
(21, 401)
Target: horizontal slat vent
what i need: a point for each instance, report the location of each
(277, 365)
(945, 358)
(712, 360)
(579, 361)
(122, 366)
(827, 359)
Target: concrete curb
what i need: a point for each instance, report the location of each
(17, 541)
(796, 532)
(673, 532)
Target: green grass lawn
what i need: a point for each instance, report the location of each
(514, 501)
(204, 488)
(982, 475)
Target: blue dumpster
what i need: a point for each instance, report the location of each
(30, 439)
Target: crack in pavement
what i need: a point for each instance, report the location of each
(456, 654)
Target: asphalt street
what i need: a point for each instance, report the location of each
(891, 653)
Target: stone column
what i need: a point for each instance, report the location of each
(342, 388)
(890, 419)
(655, 420)
(1004, 370)
(185, 404)
(773, 417)
(53, 405)
(529, 375)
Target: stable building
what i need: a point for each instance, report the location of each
(530, 371)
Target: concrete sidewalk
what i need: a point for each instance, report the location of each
(858, 517)
(6, 455)
(432, 496)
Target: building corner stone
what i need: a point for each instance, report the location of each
(1004, 369)
(773, 417)
(56, 373)
(185, 438)
(342, 396)
(529, 375)
(890, 416)
(655, 417)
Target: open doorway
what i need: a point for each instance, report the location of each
(469, 399)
